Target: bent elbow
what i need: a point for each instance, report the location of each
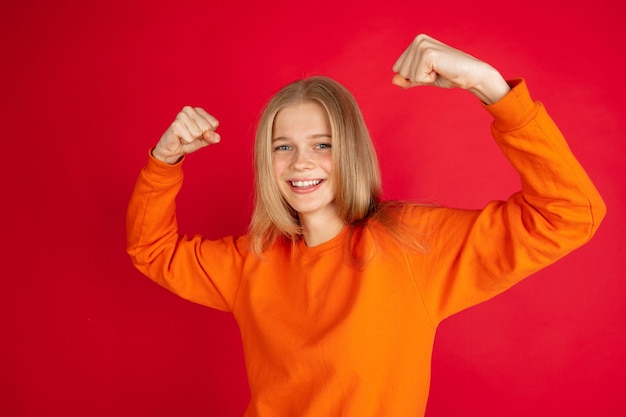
(589, 217)
(561, 226)
(577, 224)
(597, 213)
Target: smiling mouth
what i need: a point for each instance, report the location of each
(305, 184)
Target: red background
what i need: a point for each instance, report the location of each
(88, 87)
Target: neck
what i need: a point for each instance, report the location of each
(320, 229)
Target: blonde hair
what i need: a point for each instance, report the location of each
(355, 164)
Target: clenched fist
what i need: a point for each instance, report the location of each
(430, 62)
(192, 129)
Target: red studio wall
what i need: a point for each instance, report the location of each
(88, 88)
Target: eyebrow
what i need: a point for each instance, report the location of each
(316, 136)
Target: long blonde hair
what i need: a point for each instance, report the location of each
(355, 164)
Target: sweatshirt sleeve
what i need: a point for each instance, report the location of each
(197, 269)
(475, 254)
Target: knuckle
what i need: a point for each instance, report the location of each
(420, 38)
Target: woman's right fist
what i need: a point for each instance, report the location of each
(192, 129)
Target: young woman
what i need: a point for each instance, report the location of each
(338, 294)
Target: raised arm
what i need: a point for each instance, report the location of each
(476, 254)
(192, 267)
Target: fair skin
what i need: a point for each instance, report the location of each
(302, 165)
(303, 127)
(429, 62)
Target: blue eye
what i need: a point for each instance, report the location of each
(282, 148)
(324, 146)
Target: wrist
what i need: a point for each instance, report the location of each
(168, 159)
(491, 88)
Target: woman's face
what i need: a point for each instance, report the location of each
(302, 159)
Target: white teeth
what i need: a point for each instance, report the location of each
(309, 183)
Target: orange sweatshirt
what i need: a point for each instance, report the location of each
(324, 338)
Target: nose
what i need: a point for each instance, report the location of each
(302, 160)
